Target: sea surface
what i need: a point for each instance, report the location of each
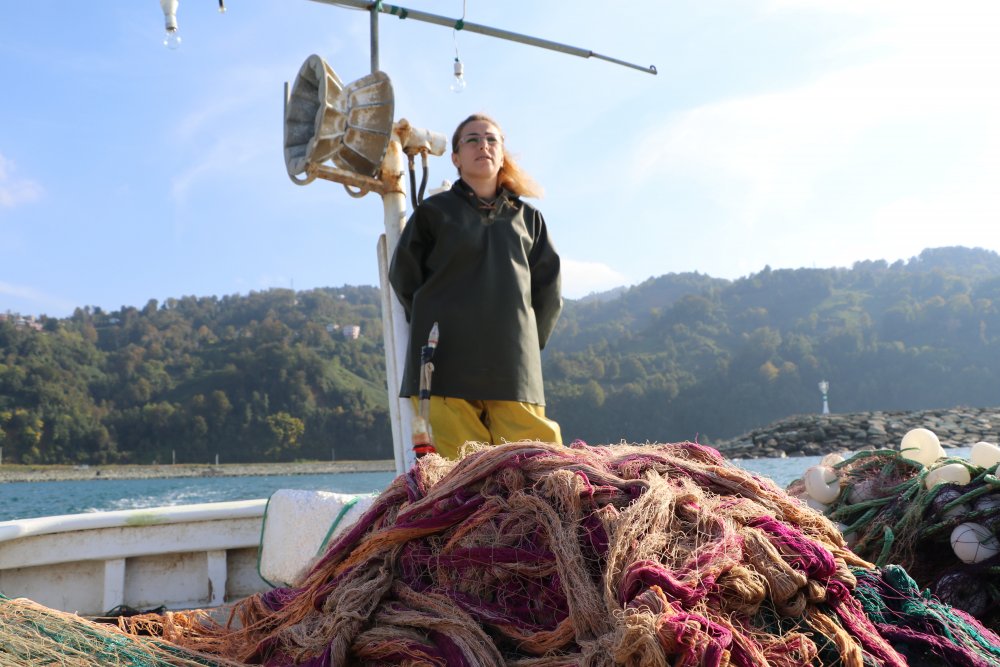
(25, 500)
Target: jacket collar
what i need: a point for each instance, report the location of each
(465, 191)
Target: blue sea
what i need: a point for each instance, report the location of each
(25, 500)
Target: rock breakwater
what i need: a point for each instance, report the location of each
(815, 434)
(53, 473)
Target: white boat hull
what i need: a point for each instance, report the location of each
(192, 556)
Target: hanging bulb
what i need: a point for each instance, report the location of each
(172, 40)
(458, 83)
(222, 6)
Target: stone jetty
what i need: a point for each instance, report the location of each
(815, 434)
(62, 473)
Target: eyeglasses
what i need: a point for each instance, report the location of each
(479, 139)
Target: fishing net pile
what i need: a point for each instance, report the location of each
(889, 515)
(538, 555)
(31, 634)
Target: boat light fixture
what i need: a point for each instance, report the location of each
(172, 39)
(325, 119)
(458, 82)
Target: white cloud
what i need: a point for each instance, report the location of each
(920, 111)
(14, 192)
(226, 155)
(34, 301)
(965, 215)
(271, 281)
(223, 133)
(582, 278)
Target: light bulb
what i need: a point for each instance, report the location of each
(172, 40)
(222, 6)
(458, 83)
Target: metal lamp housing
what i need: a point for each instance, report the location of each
(325, 120)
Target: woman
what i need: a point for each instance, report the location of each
(477, 260)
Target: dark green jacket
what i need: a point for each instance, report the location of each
(490, 278)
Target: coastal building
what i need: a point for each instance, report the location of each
(22, 322)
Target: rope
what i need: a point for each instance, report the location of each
(336, 522)
(260, 544)
(459, 24)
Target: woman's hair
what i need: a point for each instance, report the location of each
(511, 176)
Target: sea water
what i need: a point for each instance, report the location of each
(25, 500)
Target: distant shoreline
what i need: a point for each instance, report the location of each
(61, 473)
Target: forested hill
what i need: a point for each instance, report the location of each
(272, 375)
(266, 377)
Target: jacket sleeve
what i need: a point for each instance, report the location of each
(406, 271)
(546, 282)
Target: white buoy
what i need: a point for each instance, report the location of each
(987, 503)
(863, 491)
(850, 538)
(956, 511)
(984, 454)
(817, 505)
(945, 497)
(974, 543)
(812, 503)
(921, 445)
(950, 473)
(831, 459)
(822, 484)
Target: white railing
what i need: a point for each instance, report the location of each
(181, 557)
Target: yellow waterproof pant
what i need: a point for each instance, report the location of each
(455, 421)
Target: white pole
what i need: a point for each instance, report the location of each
(395, 328)
(392, 377)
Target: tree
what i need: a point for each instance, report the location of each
(286, 430)
(593, 394)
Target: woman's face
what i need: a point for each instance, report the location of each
(480, 151)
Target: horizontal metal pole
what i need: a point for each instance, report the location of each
(458, 24)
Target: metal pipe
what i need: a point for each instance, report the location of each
(373, 13)
(337, 175)
(404, 13)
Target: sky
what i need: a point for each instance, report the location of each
(781, 133)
